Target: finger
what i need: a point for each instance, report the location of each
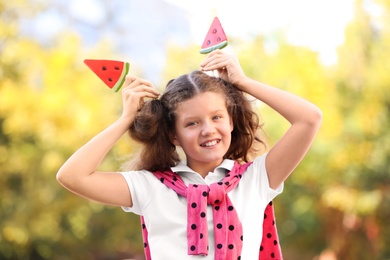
(136, 100)
(141, 90)
(216, 64)
(145, 88)
(214, 53)
(209, 57)
(140, 81)
(136, 97)
(132, 82)
(129, 79)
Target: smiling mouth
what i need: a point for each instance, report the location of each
(211, 143)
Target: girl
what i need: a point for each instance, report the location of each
(212, 121)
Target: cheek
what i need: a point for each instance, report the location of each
(181, 136)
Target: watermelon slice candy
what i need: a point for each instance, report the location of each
(215, 38)
(111, 72)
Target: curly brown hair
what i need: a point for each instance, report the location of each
(155, 122)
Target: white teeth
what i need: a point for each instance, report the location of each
(208, 144)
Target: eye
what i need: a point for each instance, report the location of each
(192, 123)
(216, 117)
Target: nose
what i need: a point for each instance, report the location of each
(208, 129)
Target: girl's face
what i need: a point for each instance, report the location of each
(203, 129)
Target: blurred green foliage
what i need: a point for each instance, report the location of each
(336, 204)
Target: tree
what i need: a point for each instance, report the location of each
(359, 198)
(50, 104)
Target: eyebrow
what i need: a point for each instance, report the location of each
(212, 112)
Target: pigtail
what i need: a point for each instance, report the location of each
(151, 128)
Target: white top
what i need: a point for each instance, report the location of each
(165, 212)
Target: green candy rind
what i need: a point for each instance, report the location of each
(122, 78)
(215, 47)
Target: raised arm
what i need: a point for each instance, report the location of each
(304, 117)
(79, 173)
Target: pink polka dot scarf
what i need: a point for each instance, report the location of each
(228, 233)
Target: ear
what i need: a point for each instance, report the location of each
(174, 140)
(231, 124)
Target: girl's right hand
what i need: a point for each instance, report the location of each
(134, 92)
(79, 173)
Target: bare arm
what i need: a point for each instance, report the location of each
(79, 173)
(304, 117)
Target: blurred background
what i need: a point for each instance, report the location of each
(336, 54)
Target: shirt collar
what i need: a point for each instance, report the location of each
(226, 164)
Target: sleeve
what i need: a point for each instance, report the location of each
(265, 189)
(140, 187)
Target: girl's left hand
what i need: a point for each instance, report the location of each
(227, 65)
